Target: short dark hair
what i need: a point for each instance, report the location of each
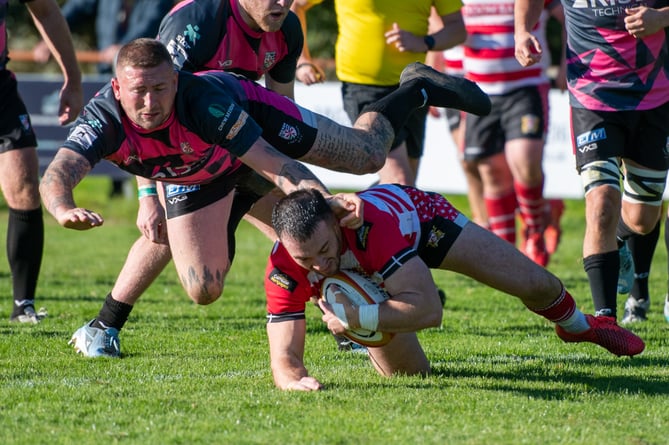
(298, 214)
(142, 53)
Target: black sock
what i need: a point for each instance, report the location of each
(643, 248)
(398, 105)
(113, 314)
(25, 246)
(602, 271)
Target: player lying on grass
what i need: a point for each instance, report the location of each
(203, 137)
(405, 232)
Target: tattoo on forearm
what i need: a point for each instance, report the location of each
(63, 174)
(351, 150)
(294, 175)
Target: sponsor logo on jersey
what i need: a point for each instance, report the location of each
(590, 137)
(588, 147)
(270, 60)
(434, 237)
(180, 189)
(178, 49)
(25, 122)
(282, 280)
(130, 159)
(361, 235)
(177, 199)
(225, 64)
(218, 112)
(241, 120)
(191, 33)
(607, 8)
(83, 134)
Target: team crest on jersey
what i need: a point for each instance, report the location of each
(25, 122)
(225, 64)
(270, 60)
(434, 237)
(529, 124)
(361, 236)
(282, 280)
(186, 148)
(290, 133)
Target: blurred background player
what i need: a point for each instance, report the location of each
(450, 62)
(507, 146)
(19, 177)
(618, 115)
(375, 41)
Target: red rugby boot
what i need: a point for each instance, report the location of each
(605, 332)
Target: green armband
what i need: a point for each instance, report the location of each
(147, 190)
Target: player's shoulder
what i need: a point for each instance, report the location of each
(291, 24)
(282, 272)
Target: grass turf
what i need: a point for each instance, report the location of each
(200, 374)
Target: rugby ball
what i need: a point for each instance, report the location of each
(359, 290)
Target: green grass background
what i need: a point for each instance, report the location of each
(200, 374)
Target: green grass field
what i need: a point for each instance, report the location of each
(200, 374)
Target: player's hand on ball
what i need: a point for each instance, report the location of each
(338, 315)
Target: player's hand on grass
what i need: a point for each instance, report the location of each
(79, 219)
(304, 384)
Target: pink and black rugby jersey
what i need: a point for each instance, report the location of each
(211, 35)
(201, 141)
(607, 68)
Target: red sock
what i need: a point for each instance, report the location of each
(559, 310)
(532, 207)
(502, 216)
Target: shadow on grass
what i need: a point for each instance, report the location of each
(524, 374)
(542, 382)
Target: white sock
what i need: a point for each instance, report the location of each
(575, 324)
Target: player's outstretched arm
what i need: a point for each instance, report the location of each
(286, 350)
(286, 173)
(64, 172)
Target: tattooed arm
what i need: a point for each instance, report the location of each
(64, 172)
(290, 175)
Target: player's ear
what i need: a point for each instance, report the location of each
(116, 88)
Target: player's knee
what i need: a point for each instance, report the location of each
(22, 195)
(205, 289)
(206, 294)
